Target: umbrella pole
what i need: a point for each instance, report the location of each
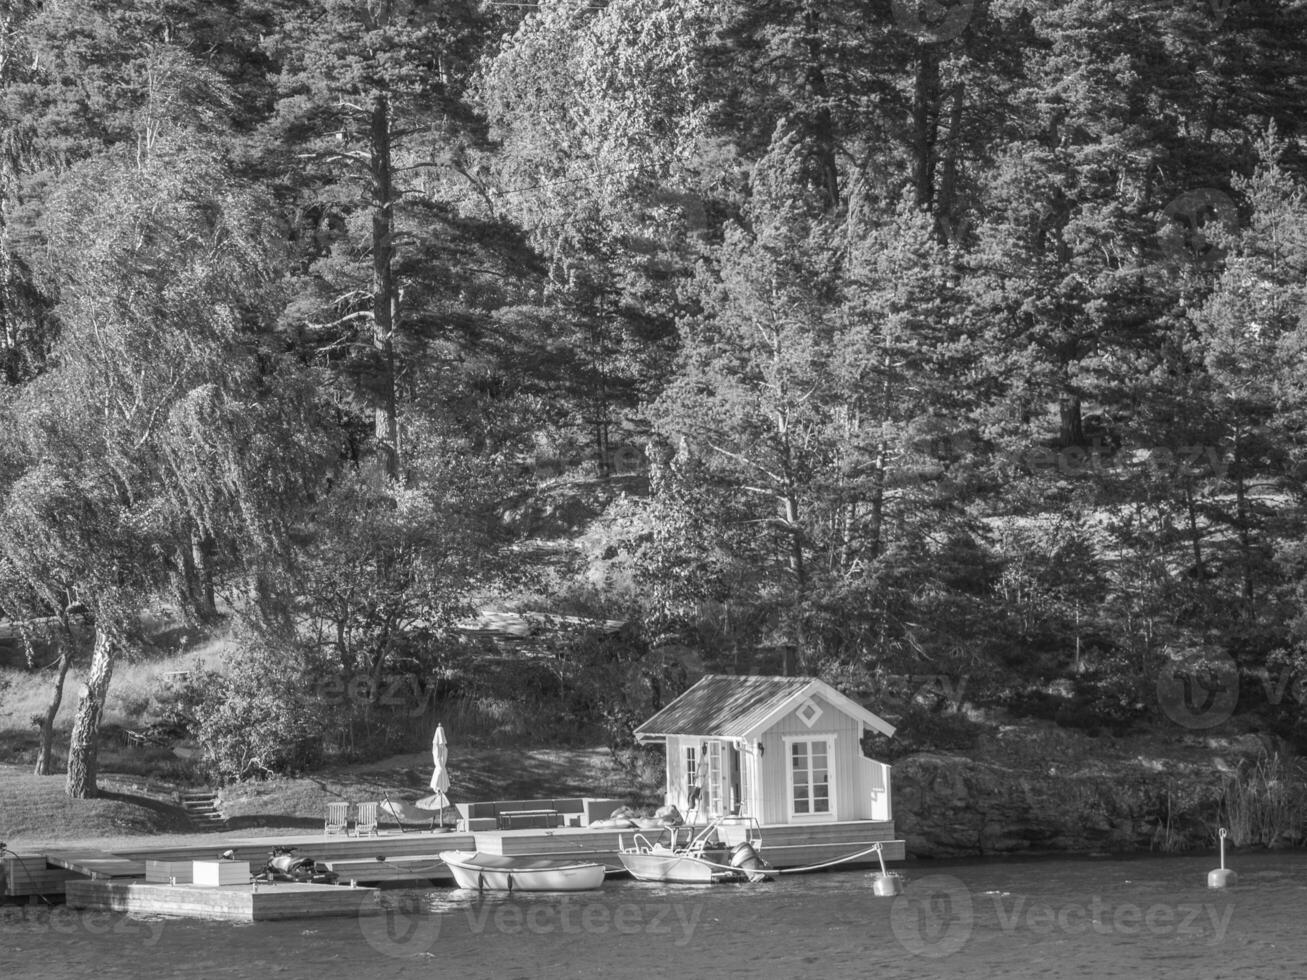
(394, 812)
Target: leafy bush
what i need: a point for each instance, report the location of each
(261, 718)
(1101, 701)
(617, 684)
(644, 767)
(1105, 700)
(928, 731)
(1037, 703)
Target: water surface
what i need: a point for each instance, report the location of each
(1148, 917)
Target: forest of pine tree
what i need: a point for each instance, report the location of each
(903, 338)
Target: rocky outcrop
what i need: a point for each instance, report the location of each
(950, 806)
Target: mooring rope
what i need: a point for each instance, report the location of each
(814, 867)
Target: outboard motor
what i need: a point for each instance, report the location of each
(748, 860)
(285, 864)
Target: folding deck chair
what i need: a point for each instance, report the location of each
(366, 821)
(337, 820)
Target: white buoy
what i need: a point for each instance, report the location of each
(885, 884)
(1222, 877)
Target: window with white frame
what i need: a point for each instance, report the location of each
(712, 778)
(811, 792)
(691, 766)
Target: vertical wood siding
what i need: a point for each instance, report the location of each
(851, 799)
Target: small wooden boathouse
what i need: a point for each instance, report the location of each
(783, 751)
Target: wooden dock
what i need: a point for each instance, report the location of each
(239, 903)
(96, 864)
(784, 846)
(392, 859)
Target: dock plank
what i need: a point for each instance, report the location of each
(96, 864)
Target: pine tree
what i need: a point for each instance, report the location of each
(369, 113)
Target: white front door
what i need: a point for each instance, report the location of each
(809, 777)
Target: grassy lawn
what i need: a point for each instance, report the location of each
(34, 810)
(35, 806)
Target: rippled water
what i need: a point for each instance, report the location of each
(1150, 917)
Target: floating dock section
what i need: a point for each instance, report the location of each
(238, 903)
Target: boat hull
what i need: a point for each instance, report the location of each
(494, 872)
(677, 869)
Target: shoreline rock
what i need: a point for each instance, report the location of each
(953, 806)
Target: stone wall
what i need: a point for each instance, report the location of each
(952, 806)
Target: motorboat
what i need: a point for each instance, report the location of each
(497, 872)
(702, 859)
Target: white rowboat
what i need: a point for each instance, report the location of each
(495, 872)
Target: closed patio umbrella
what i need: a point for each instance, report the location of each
(439, 799)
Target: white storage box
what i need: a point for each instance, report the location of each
(163, 872)
(216, 873)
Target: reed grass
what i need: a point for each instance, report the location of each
(1167, 838)
(1263, 802)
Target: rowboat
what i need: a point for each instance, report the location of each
(497, 872)
(702, 860)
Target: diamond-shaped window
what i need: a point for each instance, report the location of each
(808, 712)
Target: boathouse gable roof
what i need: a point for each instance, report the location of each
(733, 706)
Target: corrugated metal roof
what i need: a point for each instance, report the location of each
(726, 706)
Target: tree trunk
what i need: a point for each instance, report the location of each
(821, 125)
(603, 449)
(950, 222)
(45, 748)
(184, 581)
(383, 285)
(876, 527)
(1195, 539)
(1243, 520)
(202, 550)
(1072, 428)
(925, 125)
(84, 746)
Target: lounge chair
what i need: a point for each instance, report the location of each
(409, 814)
(337, 820)
(366, 821)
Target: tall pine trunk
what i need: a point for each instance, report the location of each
(821, 124)
(925, 126)
(948, 219)
(384, 303)
(84, 746)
